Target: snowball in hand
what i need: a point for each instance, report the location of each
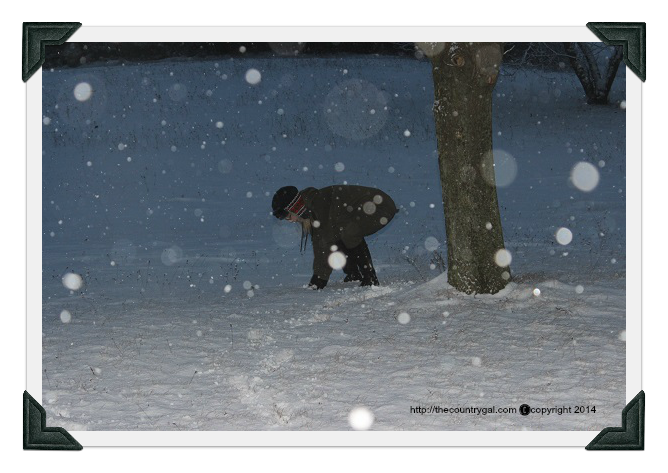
(360, 418)
(72, 281)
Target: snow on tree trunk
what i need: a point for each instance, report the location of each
(464, 77)
(585, 64)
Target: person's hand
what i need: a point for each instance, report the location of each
(317, 283)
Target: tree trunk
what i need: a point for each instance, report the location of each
(596, 87)
(464, 77)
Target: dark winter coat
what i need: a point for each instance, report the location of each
(344, 214)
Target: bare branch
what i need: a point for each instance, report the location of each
(556, 53)
(613, 65)
(591, 62)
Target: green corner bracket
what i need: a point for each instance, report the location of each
(36, 36)
(37, 436)
(631, 435)
(631, 36)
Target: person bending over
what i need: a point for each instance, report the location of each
(337, 218)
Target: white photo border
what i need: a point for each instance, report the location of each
(334, 33)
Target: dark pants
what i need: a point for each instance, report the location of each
(359, 266)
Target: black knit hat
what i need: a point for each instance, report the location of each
(287, 199)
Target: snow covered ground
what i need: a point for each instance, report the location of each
(192, 315)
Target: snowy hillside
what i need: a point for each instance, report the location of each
(190, 312)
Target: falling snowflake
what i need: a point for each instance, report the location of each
(225, 166)
(337, 260)
(431, 243)
(65, 317)
(564, 236)
(503, 258)
(72, 281)
(585, 176)
(253, 76)
(83, 91)
(504, 171)
(360, 418)
(369, 208)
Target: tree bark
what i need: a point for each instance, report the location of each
(611, 72)
(596, 87)
(464, 77)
